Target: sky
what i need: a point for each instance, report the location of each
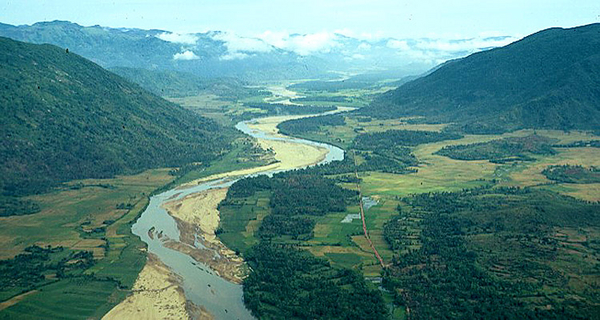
(365, 19)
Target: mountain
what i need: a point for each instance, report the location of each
(270, 56)
(64, 118)
(183, 84)
(550, 79)
(204, 55)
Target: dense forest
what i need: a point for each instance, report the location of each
(502, 150)
(183, 84)
(66, 118)
(287, 283)
(572, 174)
(392, 138)
(492, 253)
(394, 144)
(293, 198)
(312, 124)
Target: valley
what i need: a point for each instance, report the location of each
(211, 188)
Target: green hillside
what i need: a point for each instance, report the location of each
(550, 79)
(183, 84)
(64, 118)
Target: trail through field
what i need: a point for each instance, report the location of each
(362, 215)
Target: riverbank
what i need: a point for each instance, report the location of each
(157, 294)
(211, 272)
(197, 219)
(289, 155)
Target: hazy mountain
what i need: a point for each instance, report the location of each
(265, 57)
(550, 79)
(203, 54)
(64, 117)
(182, 84)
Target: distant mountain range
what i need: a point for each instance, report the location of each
(64, 118)
(268, 57)
(550, 79)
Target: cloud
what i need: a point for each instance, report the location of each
(463, 45)
(186, 55)
(302, 44)
(185, 38)
(366, 36)
(234, 56)
(240, 47)
(235, 43)
(364, 46)
(398, 44)
(434, 51)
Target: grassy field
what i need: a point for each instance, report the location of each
(95, 215)
(344, 245)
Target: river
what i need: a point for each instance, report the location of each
(202, 286)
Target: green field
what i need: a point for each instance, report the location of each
(87, 217)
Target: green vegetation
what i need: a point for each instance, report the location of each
(11, 206)
(572, 174)
(579, 144)
(66, 118)
(322, 98)
(522, 93)
(294, 199)
(89, 216)
(286, 283)
(183, 84)
(264, 218)
(312, 124)
(37, 267)
(264, 109)
(392, 138)
(393, 144)
(501, 151)
(485, 253)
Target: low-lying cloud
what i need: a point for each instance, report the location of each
(186, 55)
(302, 44)
(241, 47)
(184, 38)
(435, 51)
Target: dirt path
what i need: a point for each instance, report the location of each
(362, 216)
(16, 299)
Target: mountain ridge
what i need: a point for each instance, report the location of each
(66, 118)
(270, 56)
(549, 79)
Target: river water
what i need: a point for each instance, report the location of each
(203, 287)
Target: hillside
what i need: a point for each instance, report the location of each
(550, 79)
(64, 118)
(183, 84)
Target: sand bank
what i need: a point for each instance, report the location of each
(156, 294)
(197, 219)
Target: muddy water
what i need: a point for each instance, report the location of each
(202, 286)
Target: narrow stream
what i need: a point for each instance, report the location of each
(203, 287)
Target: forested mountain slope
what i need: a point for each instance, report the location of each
(550, 79)
(64, 117)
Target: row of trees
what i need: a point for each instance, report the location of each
(572, 174)
(497, 150)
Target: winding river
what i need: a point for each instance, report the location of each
(202, 286)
